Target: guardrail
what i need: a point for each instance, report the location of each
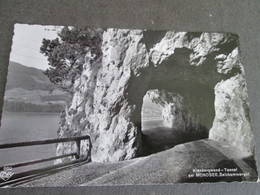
(27, 174)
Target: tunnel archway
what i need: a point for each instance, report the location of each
(186, 94)
(166, 122)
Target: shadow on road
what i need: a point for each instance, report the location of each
(157, 137)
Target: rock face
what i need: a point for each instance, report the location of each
(173, 113)
(177, 114)
(197, 77)
(231, 124)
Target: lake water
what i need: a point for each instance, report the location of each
(19, 127)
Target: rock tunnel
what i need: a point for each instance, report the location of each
(198, 79)
(175, 125)
(186, 94)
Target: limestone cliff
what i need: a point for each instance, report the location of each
(200, 73)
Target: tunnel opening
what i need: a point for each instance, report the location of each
(166, 122)
(185, 98)
(186, 94)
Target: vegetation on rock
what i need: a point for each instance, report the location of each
(66, 54)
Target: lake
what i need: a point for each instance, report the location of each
(22, 126)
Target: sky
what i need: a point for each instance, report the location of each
(26, 44)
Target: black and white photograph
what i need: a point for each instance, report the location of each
(109, 106)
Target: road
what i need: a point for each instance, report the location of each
(173, 156)
(169, 166)
(159, 138)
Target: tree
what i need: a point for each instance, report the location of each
(66, 54)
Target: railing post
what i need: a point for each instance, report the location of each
(78, 149)
(89, 150)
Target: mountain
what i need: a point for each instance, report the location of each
(20, 76)
(29, 90)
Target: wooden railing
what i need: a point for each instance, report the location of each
(18, 176)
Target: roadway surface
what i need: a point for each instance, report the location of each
(169, 166)
(159, 138)
(171, 162)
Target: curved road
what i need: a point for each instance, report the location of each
(170, 166)
(173, 162)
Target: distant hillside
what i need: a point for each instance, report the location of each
(29, 90)
(20, 76)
